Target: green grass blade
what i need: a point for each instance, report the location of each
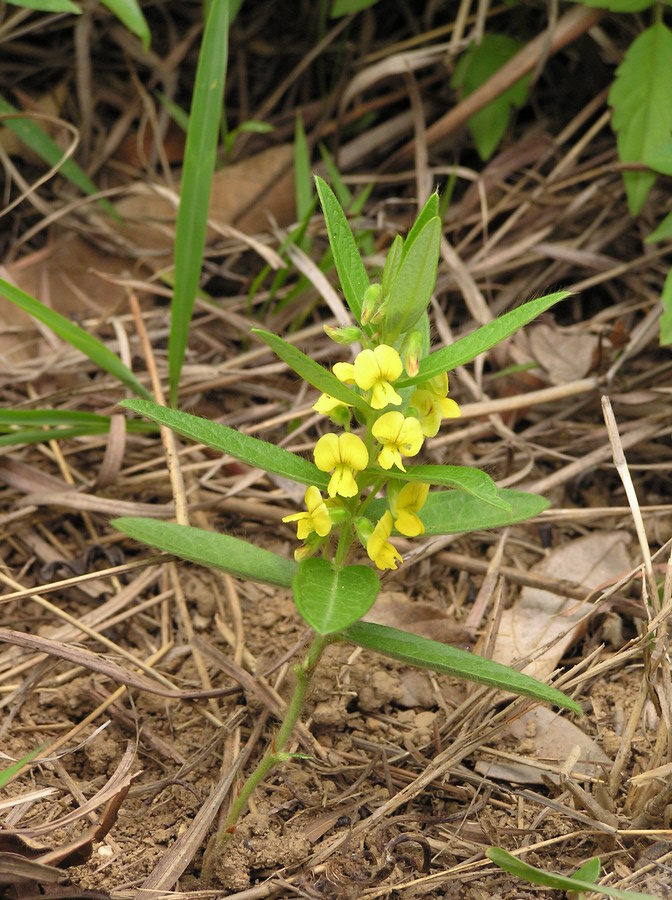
(529, 873)
(48, 6)
(424, 653)
(7, 774)
(90, 346)
(129, 14)
(303, 182)
(199, 164)
(34, 136)
(471, 346)
(207, 548)
(250, 450)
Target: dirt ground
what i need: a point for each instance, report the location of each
(162, 682)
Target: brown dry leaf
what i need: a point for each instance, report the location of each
(66, 275)
(394, 609)
(544, 735)
(566, 356)
(539, 618)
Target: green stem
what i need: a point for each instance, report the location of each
(304, 674)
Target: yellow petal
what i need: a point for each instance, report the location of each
(326, 452)
(383, 394)
(345, 372)
(353, 451)
(449, 409)
(342, 482)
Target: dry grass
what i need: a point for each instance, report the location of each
(191, 667)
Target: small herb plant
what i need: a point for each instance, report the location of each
(362, 487)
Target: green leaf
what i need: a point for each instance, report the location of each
(392, 265)
(454, 512)
(666, 318)
(32, 134)
(424, 653)
(129, 14)
(342, 8)
(349, 265)
(464, 478)
(311, 371)
(199, 164)
(471, 346)
(219, 551)
(49, 6)
(90, 346)
(660, 159)
(589, 871)
(642, 107)
(342, 191)
(330, 598)
(428, 212)
(250, 450)
(525, 872)
(663, 232)
(7, 774)
(618, 6)
(477, 65)
(412, 289)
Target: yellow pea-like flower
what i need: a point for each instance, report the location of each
(379, 549)
(433, 405)
(315, 519)
(398, 435)
(375, 370)
(345, 455)
(405, 506)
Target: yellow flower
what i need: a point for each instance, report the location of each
(337, 410)
(346, 454)
(432, 404)
(315, 519)
(405, 506)
(375, 370)
(397, 435)
(345, 372)
(379, 549)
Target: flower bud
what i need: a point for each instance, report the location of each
(364, 529)
(346, 335)
(411, 353)
(370, 303)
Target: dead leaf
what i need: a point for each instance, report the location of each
(543, 735)
(539, 618)
(393, 608)
(566, 356)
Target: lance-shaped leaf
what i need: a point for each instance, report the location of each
(424, 653)
(90, 346)
(464, 478)
(471, 346)
(412, 289)
(311, 371)
(207, 548)
(250, 450)
(349, 265)
(331, 598)
(454, 512)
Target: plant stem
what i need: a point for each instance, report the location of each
(304, 674)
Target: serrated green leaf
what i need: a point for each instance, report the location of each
(471, 346)
(478, 64)
(129, 14)
(311, 371)
(219, 551)
(525, 872)
(454, 512)
(663, 232)
(463, 478)
(424, 653)
(666, 318)
(329, 598)
(412, 289)
(260, 454)
(349, 265)
(90, 346)
(197, 173)
(642, 107)
(660, 158)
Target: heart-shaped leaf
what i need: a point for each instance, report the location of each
(330, 598)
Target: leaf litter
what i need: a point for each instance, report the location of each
(548, 209)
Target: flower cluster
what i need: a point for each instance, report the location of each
(355, 464)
